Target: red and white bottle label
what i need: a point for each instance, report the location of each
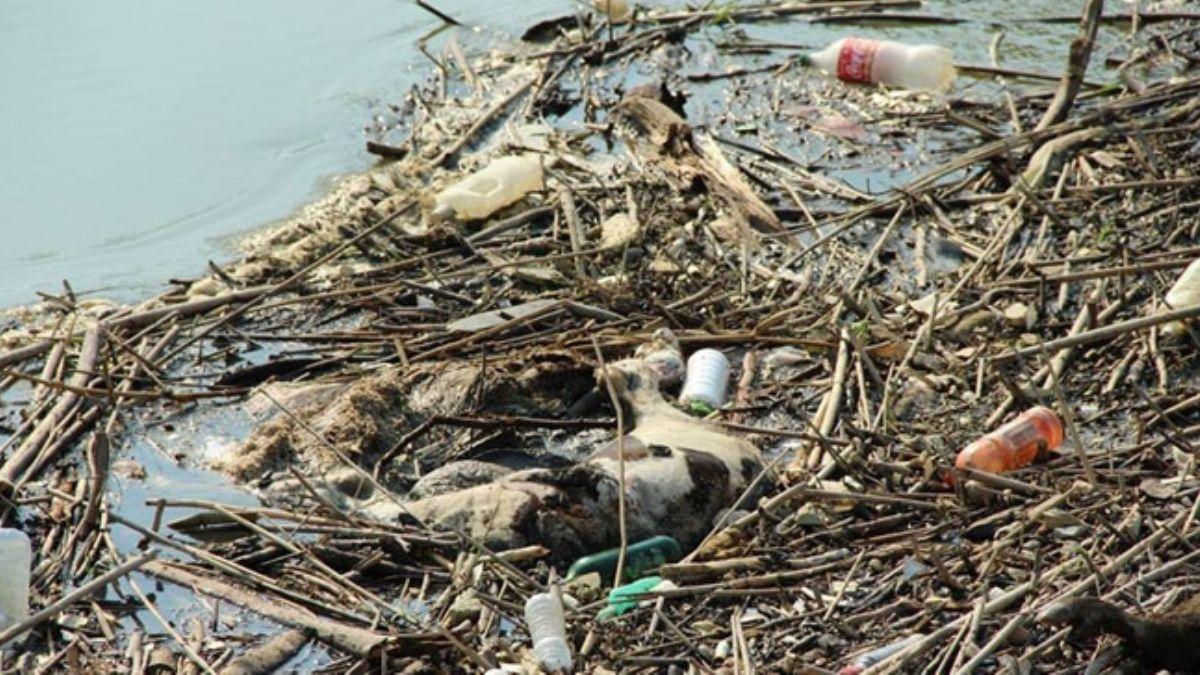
(856, 59)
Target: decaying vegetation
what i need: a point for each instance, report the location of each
(1019, 259)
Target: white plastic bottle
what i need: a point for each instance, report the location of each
(16, 554)
(707, 380)
(548, 632)
(505, 181)
(885, 62)
(1185, 293)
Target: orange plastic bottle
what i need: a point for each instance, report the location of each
(1014, 445)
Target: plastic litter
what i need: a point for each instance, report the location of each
(639, 557)
(868, 61)
(548, 632)
(707, 381)
(624, 598)
(16, 554)
(1185, 293)
(875, 656)
(505, 181)
(1014, 445)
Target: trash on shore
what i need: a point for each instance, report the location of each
(868, 61)
(640, 557)
(547, 632)
(1017, 443)
(499, 184)
(707, 381)
(616, 11)
(628, 596)
(1184, 293)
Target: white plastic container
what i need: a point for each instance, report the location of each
(16, 554)
(707, 380)
(885, 62)
(616, 10)
(548, 632)
(505, 181)
(1185, 293)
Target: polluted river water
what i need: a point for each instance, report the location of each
(138, 159)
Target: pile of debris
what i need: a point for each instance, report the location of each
(447, 411)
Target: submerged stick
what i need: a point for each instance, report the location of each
(438, 13)
(480, 123)
(1077, 64)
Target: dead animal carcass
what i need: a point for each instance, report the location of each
(679, 473)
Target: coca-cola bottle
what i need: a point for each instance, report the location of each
(855, 59)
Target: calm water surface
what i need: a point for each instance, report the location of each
(138, 135)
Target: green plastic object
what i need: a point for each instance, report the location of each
(624, 598)
(639, 558)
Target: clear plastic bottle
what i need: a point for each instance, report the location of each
(1015, 444)
(548, 632)
(885, 62)
(505, 181)
(875, 656)
(707, 380)
(1185, 293)
(16, 554)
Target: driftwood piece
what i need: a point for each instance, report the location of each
(1053, 153)
(16, 464)
(270, 656)
(689, 156)
(27, 352)
(98, 456)
(350, 639)
(148, 316)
